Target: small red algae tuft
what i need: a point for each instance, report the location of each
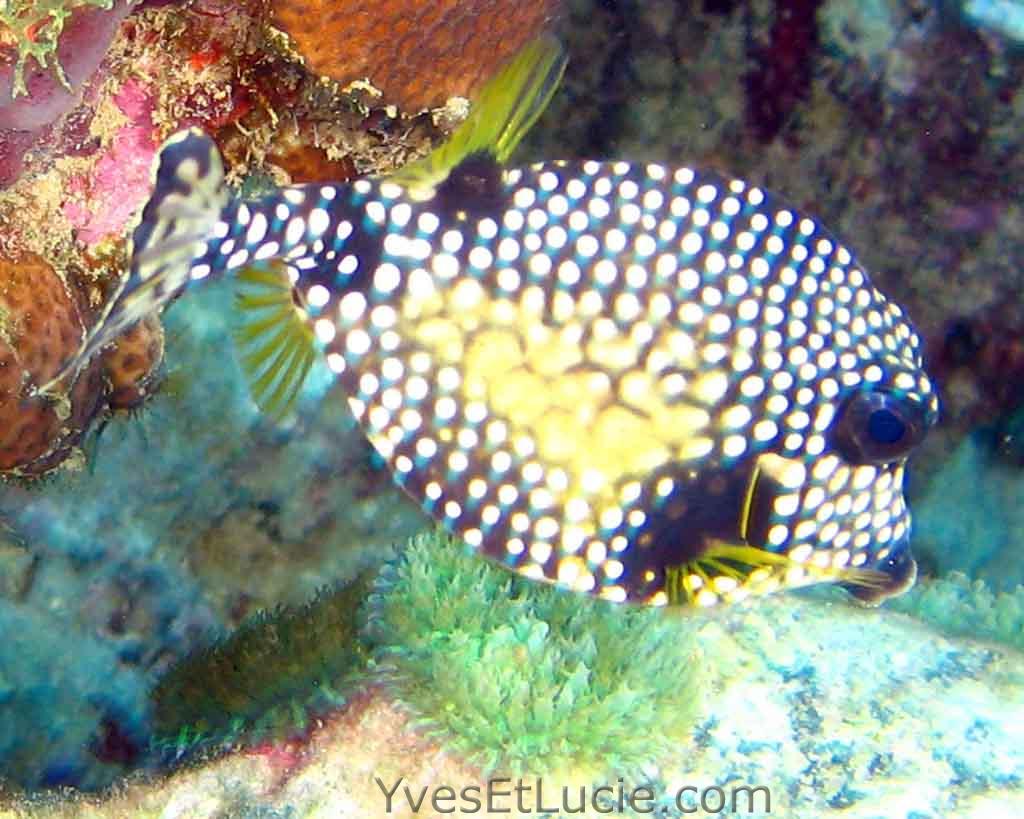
(283, 758)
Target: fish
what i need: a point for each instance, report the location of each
(656, 384)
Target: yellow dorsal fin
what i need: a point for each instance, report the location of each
(274, 338)
(500, 117)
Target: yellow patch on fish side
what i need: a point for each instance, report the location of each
(576, 395)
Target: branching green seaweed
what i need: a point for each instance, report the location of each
(267, 679)
(36, 26)
(516, 675)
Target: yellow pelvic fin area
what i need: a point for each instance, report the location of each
(274, 338)
(728, 572)
(501, 116)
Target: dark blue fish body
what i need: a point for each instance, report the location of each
(651, 383)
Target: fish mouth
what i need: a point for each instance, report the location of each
(830, 521)
(898, 573)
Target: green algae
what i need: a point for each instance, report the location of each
(515, 674)
(509, 672)
(267, 680)
(957, 605)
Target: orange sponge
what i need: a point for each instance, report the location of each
(131, 364)
(41, 326)
(417, 54)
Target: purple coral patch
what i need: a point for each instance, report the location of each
(13, 147)
(780, 77)
(87, 35)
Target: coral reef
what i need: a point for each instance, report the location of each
(916, 725)
(131, 365)
(414, 55)
(901, 138)
(76, 162)
(191, 516)
(36, 28)
(42, 319)
(896, 126)
(53, 117)
(521, 677)
(209, 63)
(76, 146)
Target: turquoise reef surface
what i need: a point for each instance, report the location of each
(184, 519)
(1004, 16)
(980, 534)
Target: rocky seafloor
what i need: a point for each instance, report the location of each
(898, 121)
(827, 709)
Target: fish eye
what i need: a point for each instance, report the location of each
(879, 427)
(885, 427)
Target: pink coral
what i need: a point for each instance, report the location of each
(102, 204)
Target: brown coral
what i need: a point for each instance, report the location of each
(41, 325)
(416, 54)
(42, 321)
